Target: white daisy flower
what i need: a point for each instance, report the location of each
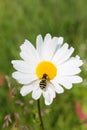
(46, 69)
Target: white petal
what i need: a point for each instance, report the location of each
(47, 102)
(26, 89)
(74, 79)
(39, 44)
(58, 88)
(23, 66)
(60, 41)
(67, 81)
(62, 54)
(73, 62)
(24, 78)
(48, 98)
(69, 70)
(50, 48)
(28, 53)
(67, 55)
(46, 47)
(70, 67)
(63, 81)
(51, 90)
(55, 44)
(36, 93)
(47, 38)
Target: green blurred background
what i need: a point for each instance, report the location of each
(25, 19)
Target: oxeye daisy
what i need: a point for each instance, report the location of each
(46, 69)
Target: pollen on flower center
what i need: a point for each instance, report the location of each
(46, 67)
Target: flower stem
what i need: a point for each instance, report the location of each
(39, 114)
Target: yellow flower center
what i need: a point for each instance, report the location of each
(46, 67)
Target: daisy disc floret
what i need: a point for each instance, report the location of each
(46, 69)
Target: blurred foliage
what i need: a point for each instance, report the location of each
(21, 20)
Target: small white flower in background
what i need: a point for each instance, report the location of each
(46, 69)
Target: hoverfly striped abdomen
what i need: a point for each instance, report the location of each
(43, 82)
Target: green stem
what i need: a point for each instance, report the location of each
(39, 114)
